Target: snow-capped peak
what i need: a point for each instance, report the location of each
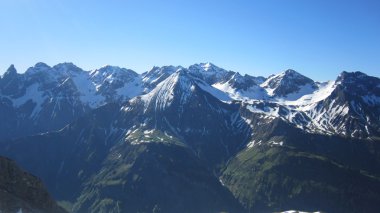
(209, 67)
(237, 78)
(39, 67)
(286, 83)
(354, 93)
(112, 72)
(158, 74)
(210, 73)
(163, 94)
(67, 67)
(179, 86)
(278, 79)
(206, 67)
(164, 69)
(113, 69)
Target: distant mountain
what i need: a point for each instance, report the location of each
(48, 98)
(197, 139)
(23, 192)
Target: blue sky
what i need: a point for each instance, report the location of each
(318, 38)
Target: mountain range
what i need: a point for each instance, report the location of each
(196, 139)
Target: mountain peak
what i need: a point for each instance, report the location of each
(114, 69)
(11, 67)
(286, 82)
(291, 72)
(157, 74)
(66, 67)
(182, 72)
(110, 67)
(210, 72)
(41, 65)
(208, 66)
(344, 76)
(359, 84)
(163, 94)
(236, 78)
(355, 73)
(180, 76)
(178, 89)
(11, 71)
(167, 69)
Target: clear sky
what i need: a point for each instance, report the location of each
(318, 38)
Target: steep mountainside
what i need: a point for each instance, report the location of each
(23, 192)
(283, 167)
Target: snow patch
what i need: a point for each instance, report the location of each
(214, 92)
(131, 89)
(35, 95)
(87, 90)
(306, 100)
(253, 92)
(253, 143)
(269, 111)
